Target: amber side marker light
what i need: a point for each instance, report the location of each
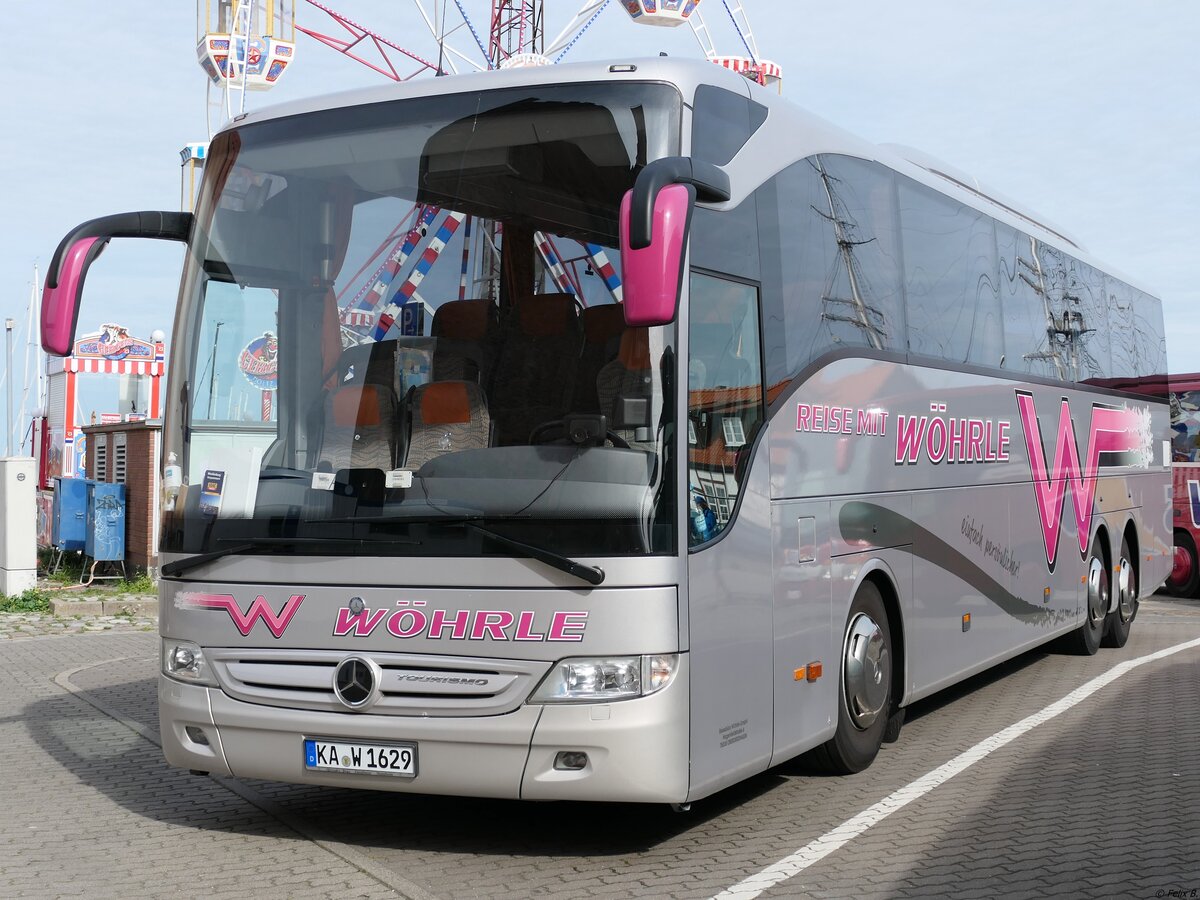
(966, 622)
(810, 673)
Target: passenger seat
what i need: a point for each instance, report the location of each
(360, 429)
(445, 417)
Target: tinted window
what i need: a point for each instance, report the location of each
(950, 278)
(838, 258)
(1028, 348)
(727, 241)
(1135, 319)
(1083, 300)
(725, 397)
(722, 122)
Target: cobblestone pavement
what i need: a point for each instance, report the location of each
(1098, 801)
(15, 626)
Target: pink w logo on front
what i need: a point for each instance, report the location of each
(1112, 430)
(276, 623)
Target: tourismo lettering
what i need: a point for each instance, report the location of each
(410, 619)
(1112, 430)
(941, 438)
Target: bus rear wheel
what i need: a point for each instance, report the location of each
(864, 689)
(1120, 620)
(1085, 640)
(1185, 572)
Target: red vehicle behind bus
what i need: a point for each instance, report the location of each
(1184, 394)
(1185, 454)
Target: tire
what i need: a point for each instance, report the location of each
(864, 687)
(1085, 640)
(1128, 588)
(1185, 583)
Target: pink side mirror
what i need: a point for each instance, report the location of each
(653, 275)
(64, 278)
(60, 302)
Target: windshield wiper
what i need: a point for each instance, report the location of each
(180, 566)
(591, 574)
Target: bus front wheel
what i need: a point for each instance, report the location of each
(864, 689)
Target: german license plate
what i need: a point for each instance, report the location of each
(354, 756)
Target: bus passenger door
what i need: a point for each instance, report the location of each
(803, 623)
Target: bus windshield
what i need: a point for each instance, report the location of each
(402, 318)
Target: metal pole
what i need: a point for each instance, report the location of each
(8, 329)
(212, 381)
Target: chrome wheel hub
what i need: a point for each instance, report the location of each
(1127, 593)
(867, 670)
(1097, 592)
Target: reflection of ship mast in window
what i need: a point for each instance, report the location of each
(1065, 331)
(861, 315)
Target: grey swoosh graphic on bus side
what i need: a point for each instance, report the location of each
(857, 519)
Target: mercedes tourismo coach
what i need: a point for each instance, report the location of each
(615, 432)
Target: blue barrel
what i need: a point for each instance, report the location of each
(105, 540)
(68, 527)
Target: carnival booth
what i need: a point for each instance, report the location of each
(135, 367)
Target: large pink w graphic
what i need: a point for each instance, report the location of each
(1111, 431)
(259, 609)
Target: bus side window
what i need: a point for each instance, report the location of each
(725, 397)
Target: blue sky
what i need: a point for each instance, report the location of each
(1083, 110)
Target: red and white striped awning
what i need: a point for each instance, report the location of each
(770, 72)
(114, 366)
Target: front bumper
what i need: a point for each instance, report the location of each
(637, 749)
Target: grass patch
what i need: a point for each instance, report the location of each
(143, 584)
(31, 601)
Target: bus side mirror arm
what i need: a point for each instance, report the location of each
(75, 254)
(710, 182)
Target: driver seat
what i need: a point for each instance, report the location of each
(630, 375)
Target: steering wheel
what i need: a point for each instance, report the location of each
(558, 428)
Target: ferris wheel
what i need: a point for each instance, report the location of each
(507, 33)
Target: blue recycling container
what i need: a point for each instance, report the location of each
(105, 540)
(68, 527)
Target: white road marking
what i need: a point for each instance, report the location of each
(818, 849)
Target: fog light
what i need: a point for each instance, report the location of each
(570, 760)
(196, 735)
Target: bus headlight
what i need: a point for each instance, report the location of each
(592, 680)
(184, 661)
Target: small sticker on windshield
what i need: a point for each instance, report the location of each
(210, 491)
(399, 478)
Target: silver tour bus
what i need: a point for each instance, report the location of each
(616, 432)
